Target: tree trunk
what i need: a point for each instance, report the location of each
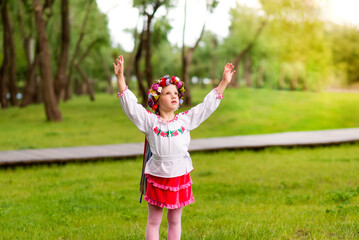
(260, 77)
(214, 63)
(60, 78)
(147, 45)
(32, 90)
(13, 79)
(304, 83)
(247, 71)
(138, 73)
(130, 61)
(6, 58)
(29, 93)
(77, 48)
(82, 73)
(294, 82)
(9, 47)
(281, 78)
(239, 57)
(78, 88)
(109, 88)
(187, 60)
(90, 89)
(148, 54)
(51, 109)
(186, 63)
(25, 38)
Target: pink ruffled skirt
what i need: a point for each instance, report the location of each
(170, 193)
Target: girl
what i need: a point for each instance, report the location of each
(168, 181)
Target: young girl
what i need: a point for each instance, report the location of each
(168, 181)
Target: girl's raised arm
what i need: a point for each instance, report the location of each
(119, 69)
(227, 77)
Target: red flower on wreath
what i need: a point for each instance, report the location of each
(155, 107)
(175, 133)
(163, 134)
(163, 82)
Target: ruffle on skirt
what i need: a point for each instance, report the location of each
(170, 193)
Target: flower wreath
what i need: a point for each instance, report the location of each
(156, 89)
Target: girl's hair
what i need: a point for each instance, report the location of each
(156, 89)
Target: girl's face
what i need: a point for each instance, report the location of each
(168, 100)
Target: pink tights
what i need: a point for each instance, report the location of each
(154, 222)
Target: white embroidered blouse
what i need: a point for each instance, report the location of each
(168, 141)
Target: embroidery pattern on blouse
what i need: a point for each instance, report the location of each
(121, 93)
(169, 133)
(185, 112)
(219, 95)
(173, 120)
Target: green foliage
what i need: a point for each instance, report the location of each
(166, 61)
(207, 52)
(145, 4)
(294, 9)
(96, 29)
(294, 40)
(161, 28)
(270, 194)
(165, 58)
(345, 49)
(299, 46)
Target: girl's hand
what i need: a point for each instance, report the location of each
(227, 77)
(228, 73)
(118, 68)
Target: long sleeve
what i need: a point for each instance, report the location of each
(196, 115)
(134, 111)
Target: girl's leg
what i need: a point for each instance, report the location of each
(153, 222)
(174, 223)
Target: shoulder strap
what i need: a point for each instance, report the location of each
(146, 156)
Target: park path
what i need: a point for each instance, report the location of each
(129, 150)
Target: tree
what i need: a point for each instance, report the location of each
(165, 63)
(60, 79)
(148, 9)
(67, 89)
(188, 53)
(51, 108)
(205, 58)
(8, 69)
(298, 43)
(30, 93)
(246, 27)
(345, 50)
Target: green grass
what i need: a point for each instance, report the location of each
(242, 111)
(300, 193)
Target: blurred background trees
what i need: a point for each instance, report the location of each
(52, 49)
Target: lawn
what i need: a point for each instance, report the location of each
(242, 111)
(299, 193)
